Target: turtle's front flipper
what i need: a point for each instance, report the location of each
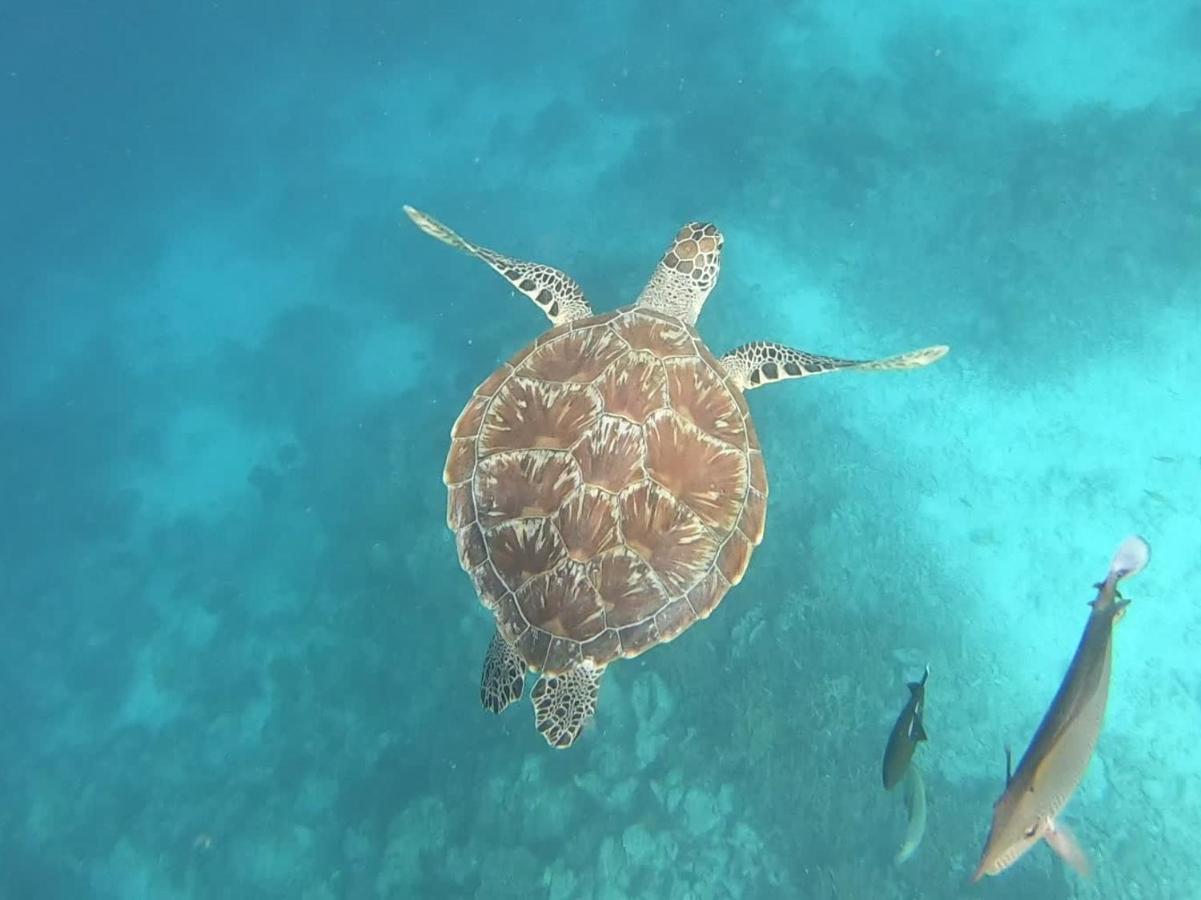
(760, 363)
(555, 292)
(563, 703)
(504, 675)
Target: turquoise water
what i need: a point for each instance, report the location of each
(239, 657)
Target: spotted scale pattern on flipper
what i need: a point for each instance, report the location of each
(556, 293)
(563, 704)
(762, 362)
(503, 678)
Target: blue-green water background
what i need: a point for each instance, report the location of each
(239, 658)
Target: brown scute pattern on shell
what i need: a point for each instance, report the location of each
(705, 596)
(752, 438)
(634, 389)
(638, 637)
(489, 388)
(600, 488)
(460, 462)
(545, 338)
(674, 618)
(527, 414)
(703, 398)
(740, 401)
(460, 506)
(587, 523)
(604, 647)
(758, 471)
(664, 339)
(611, 453)
(472, 550)
(517, 484)
(564, 653)
(578, 358)
(706, 475)
(754, 516)
(488, 584)
(627, 587)
(714, 365)
(524, 548)
(534, 647)
(518, 358)
(733, 558)
(468, 423)
(667, 535)
(563, 603)
(602, 319)
(509, 620)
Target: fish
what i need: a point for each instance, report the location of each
(907, 733)
(915, 807)
(1053, 764)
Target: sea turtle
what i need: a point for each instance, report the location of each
(606, 486)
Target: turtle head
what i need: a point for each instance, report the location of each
(695, 252)
(687, 272)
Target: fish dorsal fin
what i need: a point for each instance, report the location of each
(916, 731)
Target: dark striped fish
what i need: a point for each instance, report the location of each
(907, 733)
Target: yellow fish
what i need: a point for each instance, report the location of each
(1053, 765)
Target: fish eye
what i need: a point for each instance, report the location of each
(1030, 831)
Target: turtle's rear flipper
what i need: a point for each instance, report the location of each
(556, 293)
(564, 703)
(753, 365)
(504, 675)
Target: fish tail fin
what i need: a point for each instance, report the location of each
(915, 807)
(915, 685)
(1131, 558)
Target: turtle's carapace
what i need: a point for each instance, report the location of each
(606, 485)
